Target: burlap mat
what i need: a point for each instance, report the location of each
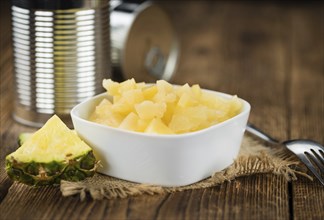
(254, 157)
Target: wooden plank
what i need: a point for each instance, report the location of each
(307, 98)
(256, 197)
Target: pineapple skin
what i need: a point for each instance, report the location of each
(39, 174)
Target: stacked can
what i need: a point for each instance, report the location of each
(61, 54)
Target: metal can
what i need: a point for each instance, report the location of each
(144, 45)
(61, 54)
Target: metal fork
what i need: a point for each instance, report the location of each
(309, 152)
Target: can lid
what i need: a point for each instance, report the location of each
(151, 49)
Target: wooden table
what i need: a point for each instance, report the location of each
(269, 53)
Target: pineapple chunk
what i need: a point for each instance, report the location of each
(149, 92)
(196, 91)
(127, 85)
(158, 127)
(186, 100)
(105, 114)
(133, 97)
(170, 108)
(149, 110)
(164, 86)
(52, 153)
(180, 124)
(189, 119)
(130, 122)
(184, 89)
(111, 87)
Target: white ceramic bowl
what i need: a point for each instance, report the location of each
(167, 160)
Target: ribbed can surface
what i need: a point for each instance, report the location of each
(61, 54)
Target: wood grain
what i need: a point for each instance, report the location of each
(261, 195)
(268, 53)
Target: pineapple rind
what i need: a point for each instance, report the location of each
(38, 174)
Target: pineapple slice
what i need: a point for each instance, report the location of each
(52, 153)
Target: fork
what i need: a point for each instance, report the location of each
(309, 152)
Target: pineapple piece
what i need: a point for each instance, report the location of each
(170, 108)
(149, 110)
(142, 124)
(164, 86)
(235, 106)
(132, 97)
(105, 114)
(149, 92)
(157, 126)
(125, 104)
(189, 119)
(130, 122)
(127, 85)
(196, 91)
(111, 87)
(183, 89)
(209, 100)
(51, 154)
(187, 100)
(180, 124)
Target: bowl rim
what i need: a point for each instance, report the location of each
(74, 115)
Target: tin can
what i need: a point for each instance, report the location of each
(61, 54)
(144, 45)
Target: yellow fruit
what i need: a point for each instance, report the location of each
(164, 86)
(157, 126)
(196, 91)
(187, 100)
(170, 107)
(111, 87)
(132, 97)
(183, 89)
(104, 114)
(142, 124)
(149, 110)
(149, 92)
(180, 124)
(130, 122)
(195, 119)
(127, 85)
